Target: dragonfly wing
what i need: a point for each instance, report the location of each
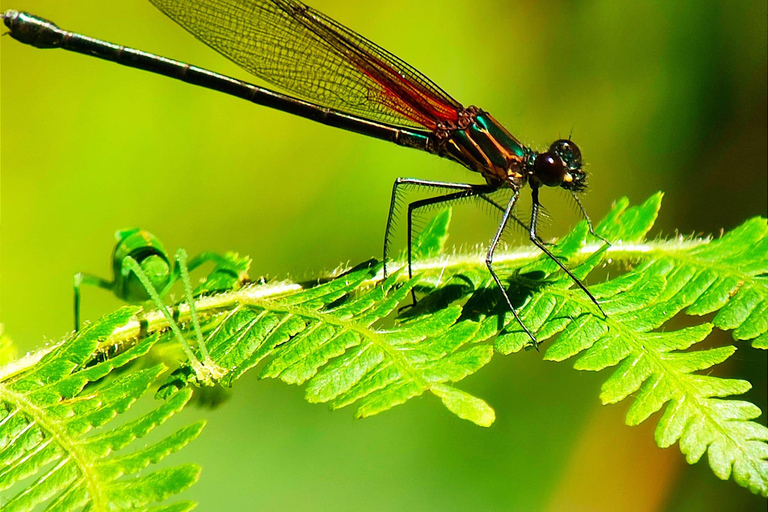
(301, 50)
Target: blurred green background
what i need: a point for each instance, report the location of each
(660, 96)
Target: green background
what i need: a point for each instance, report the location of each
(660, 96)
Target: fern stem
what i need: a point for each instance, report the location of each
(155, 321)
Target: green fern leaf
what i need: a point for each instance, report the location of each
(303, 331)
(732, 277)
(432, 239)
(225, 277)
(343, 340)
(47, 410)
(326, 336)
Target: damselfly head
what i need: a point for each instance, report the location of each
(549, 169)
(569, 152)
(575, 178)
(560, 166)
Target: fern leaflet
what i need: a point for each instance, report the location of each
(47, 410)
(345, 340)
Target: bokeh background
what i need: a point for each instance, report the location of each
(660, 96)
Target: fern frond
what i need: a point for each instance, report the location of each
(377, 369)
(731, 277)
(655, 366)
(728, 273)
(47, 411)
(225, 278)
(344, 339)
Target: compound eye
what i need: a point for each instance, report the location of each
(549, 169)
(568, 151)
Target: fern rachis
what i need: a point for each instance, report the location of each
(344, 340)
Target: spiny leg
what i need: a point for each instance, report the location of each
(586, 217)
(496, 205)
(501, 209)
(406, 182)
(489, 263)
(466, 190)
(83, 279)
(412, 207)
(535, 239)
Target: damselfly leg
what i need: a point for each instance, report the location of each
(536, 206)
(464, 191)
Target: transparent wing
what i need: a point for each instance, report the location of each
(302, 51)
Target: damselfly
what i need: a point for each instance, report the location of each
(347, 81)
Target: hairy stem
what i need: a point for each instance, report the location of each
(444, 264)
